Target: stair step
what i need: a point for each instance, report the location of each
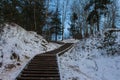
(47, 55)
(41, 66)
(44, 65)
(39, 75)
(37, 68)
(38, 78)
(42, 58)
(39, 72)
(47, 60)
(55, 69)
(44, 62)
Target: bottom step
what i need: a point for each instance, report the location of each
(38, 78)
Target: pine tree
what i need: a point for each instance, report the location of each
(1, 12)
(40, 15)
(56, 25)
(99, 8)
(28, 13)
(73, 29)
(9, 11)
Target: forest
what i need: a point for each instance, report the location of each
(85, 18)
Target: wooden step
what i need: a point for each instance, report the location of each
(37, 68)
(45, 65)
(40, 64)
(47, 55)
(43, 61)
(44, 58)
(39, 75)
(39, 72)
(41, 69)
(36, 62)
(38, 78)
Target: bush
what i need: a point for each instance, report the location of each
(15, 56)
(109, 43)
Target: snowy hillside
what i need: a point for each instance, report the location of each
(87, 62)
(17, 47)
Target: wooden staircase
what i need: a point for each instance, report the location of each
(43, 66)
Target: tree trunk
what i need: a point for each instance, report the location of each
(35, 16)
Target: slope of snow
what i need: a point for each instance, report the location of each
(17, 47)
(86, 62)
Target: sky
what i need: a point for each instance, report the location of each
(118, 12)
(68, 12)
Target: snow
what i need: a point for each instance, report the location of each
(24, 44)
(70, 40)
(86, 62)
(95, 69)
(52, 46)
(83, 62)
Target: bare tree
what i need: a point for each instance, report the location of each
(65, 4)
(110, 16)
(81, 24)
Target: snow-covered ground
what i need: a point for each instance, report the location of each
(17, 47)
(70, 40)
(86, 62)
(83, 62)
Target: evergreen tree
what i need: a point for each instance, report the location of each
(56, 25)
(73, 29)
(9, 11)
(33, 15)
(40, 15)
(100, 7)
(28, 13)
(1, 12)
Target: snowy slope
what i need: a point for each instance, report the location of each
(17, 47)
(86, 62)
